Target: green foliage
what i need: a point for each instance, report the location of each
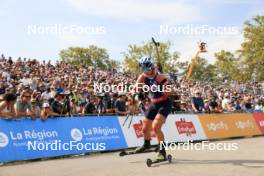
(203, 71)
(252, 52)
(169, 61)
(91, 56)
(248, 65)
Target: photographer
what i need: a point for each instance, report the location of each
(100, 103)
(61, 104)
(89, 107)
(111, 103)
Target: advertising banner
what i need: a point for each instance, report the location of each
(24, 139)
(228, 125)
(183, 127)
(259, 117)
(178, 128)
(132, 130)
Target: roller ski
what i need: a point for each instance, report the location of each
(160, 158)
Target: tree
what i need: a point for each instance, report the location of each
(91, 56)
(252, 51)
(227, 67)
(203, 71)
(170, 61)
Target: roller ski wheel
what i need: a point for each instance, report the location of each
(123, 153)
(150, 162)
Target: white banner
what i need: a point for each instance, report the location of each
(133, 134)
(182, 128)
(178, 128)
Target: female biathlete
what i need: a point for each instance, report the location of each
(156, 114)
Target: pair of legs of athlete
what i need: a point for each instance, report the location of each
(154, 119)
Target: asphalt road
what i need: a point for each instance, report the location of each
(248, 159)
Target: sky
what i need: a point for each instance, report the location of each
(41, 28)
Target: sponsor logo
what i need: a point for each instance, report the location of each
(217, 126)
(185, 127)
(139, 132)
(245, 124)
(76, 134)
(261, 123)
(3, 140)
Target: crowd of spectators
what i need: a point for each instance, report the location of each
(32, 88)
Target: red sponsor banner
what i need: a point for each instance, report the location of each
(259, 117)
(185, 127)
(139, 132)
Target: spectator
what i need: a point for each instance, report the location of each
(176, 103)
(213, 105)
(59, 105)
(100, 103)
(111, 103)
(18, 75)
(46, 112)
(231, 106)
(35, 109)
(238, 106)
(120, 104)
(7, 106)
(23, 106)
(132, 105)
(46, 95)
(184, 106)
(90, 107)
(73, 108)
(248, 105)
(258, 107)
(206, 105)
(225, 101)
(2, 88)
(197, 102)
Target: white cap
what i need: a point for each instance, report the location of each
(226, 94)
(45, 105)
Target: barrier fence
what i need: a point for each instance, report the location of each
(24, 139)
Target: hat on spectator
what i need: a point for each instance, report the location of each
(45, 105)
(59, 94)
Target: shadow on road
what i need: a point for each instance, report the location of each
(244, 163)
